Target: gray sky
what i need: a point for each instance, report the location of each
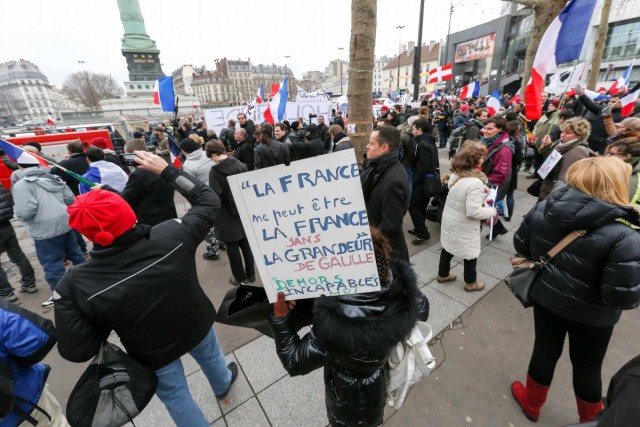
(56, 35)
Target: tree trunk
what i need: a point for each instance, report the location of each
(603, 28)
(361, 62)
(545, 11)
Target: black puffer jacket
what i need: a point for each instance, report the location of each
(6, 206)
(598, 275)
(228, 224)
(352, 337)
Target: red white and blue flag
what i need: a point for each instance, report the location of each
(471, 90)
(20, 156)
(174, 152)
(562, 42)
(622, 83)
(50, 120)
(276, 108)
(628, 102)
(260, 94)
(164, 95)
(494, 104)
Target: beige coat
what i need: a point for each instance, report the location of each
(460, 230)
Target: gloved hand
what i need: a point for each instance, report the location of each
(606, 111)
(578, 90)
(281, 307)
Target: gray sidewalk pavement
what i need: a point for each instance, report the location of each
(482, 341)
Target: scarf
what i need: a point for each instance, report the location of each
(374, 170)
(491, 140)
(339, 137)
(469, 173)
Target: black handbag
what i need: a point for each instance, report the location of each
(112, 391)
(534, 188)
(525, 271)
(247, 306)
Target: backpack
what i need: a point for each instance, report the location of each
(457, 137)
(229, 139)
(409, 361)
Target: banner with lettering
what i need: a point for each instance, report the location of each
(218, 118)
(308, 228)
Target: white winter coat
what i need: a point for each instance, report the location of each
(463, 211)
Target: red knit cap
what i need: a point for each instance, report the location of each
(101, 216)
(99, 142)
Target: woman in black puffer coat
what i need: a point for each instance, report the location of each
(352, 337)
(584, 289)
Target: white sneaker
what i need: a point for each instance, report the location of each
(48, 303)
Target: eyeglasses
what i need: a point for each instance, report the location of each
(613, 153)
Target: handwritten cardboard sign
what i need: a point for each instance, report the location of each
(308, 227)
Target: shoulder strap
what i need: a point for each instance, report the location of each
(562, 244)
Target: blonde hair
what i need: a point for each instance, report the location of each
(579, 126)
(606, 178)
(197, 138)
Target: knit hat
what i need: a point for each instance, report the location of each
(138, 134)
(99, 142)
(464, 107)
(555, 102)
(101, 216)
(188, 145)
(384, 108)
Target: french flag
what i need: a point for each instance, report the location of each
(18, 155)
(50, 120)
(260, 94)
(174, 152)
(629, 102)
(562, 42)
(276, 108)
(622, 82)
(164, 95)
(471, 90)
(494, 104)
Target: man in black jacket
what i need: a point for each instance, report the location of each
(245, 149)
(384, 186)
(77, 162)
(150, 197)
(9, 243)
(142, 283)
(311, 146)
(248, 126)
(323, 133)
(426, 169)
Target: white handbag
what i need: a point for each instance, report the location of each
(410, 360)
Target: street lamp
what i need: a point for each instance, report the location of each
(89, 88)
(340, 49)
(399, 27)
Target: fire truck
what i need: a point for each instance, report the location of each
(54, 145)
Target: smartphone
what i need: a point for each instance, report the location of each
(129, 159)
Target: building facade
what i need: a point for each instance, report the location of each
(336, 77)
(25, 93)
(379, 65)
(397, 75)
(212, 88)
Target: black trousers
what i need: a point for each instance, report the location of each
(444, 267)
(418, 209)
(587, 348)
(9, 243)
(240, 271)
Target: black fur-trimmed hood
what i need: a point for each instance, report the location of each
(370, 321)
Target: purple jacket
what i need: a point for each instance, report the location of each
(501, 160)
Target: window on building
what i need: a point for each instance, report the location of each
(622, 41)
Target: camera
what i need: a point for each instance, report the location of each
(312, 116)
(128, 159)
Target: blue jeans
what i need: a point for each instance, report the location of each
(174, 392)
(52, 253)
(9, 243)
(409, 181)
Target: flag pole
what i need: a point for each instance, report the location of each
(566, 87)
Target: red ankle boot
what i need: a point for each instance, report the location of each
(588, 411)
(530, 398)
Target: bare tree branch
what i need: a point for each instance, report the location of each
(526, 3)
(90, 88)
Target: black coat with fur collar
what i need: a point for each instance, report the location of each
(352, 337)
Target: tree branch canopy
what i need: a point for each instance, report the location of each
(90, 88)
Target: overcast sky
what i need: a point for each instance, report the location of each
(56, 35)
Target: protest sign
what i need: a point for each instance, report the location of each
(217, 118)
(548, 165)
(308, 227)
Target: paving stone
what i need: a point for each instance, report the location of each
(248, 414)
(296, 401)
(442, 309)
(203, 395)
(217, 423)
(240, 390)
(456, 290)
(260, 363)
(494, 262)
(425, 265)
(504, 242)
